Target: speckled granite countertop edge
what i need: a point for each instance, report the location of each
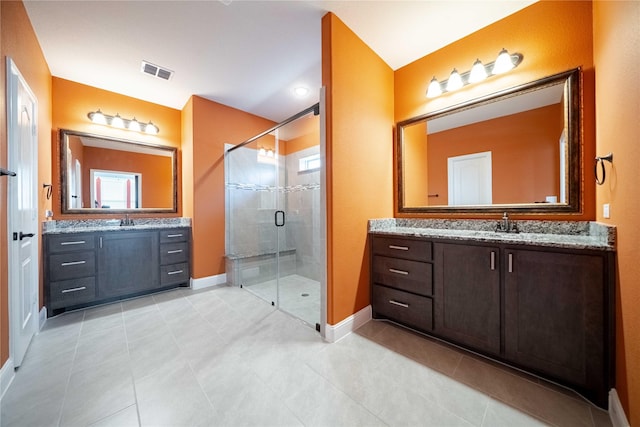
(93, 225)
(562, 234)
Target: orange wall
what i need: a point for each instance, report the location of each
(155, 170)
(310, 136)
(71, 103)
(617, 58)
(209, 126)
(18, 41)
(416, 166)
(359, 149)
(553, 36)
(525, 166)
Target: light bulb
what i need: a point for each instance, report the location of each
(503, 62)
(117, 121)
(134, 125)
(262, 152)
(434, 88)
(151, 129)
(455, 81)
(98, 118)
(478, 72)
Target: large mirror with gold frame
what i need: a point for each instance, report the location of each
(516, 150)
(101, 174)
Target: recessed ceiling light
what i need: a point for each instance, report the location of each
(301, 91)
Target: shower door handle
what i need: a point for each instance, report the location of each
(279, 218)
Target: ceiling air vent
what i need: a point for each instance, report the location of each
(156, 71)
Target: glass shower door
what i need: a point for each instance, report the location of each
(273, 218)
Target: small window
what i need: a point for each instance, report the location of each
(309, 163)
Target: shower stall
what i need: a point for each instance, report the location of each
(274, 238)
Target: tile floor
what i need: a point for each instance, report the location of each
(299, 296)
(223, 357)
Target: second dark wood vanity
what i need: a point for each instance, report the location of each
(544, 308)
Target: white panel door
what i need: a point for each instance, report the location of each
(22, 208)
(470, 179)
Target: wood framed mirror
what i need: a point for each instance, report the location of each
(517, 150)
(101, 174)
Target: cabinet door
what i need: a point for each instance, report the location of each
(554, 315)
(467, 295)
(128, 262)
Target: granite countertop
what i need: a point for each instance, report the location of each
(560, 234)
(90, 225)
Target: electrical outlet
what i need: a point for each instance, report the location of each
(605, 210)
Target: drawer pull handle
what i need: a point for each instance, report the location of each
(174, 235)
(400, 248)
(174, 272)
(404, 273)
(401, 304)
(77, 242)
(493, 260)
(510, 263)
(177, 251)
(81, 288)
(66, 264)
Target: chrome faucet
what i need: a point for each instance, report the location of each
(126, 220)
(506, 225)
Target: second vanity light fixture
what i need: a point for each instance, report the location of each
(116, 121)
(505, 62)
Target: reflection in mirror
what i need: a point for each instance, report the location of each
(517, 150)
(102, 174)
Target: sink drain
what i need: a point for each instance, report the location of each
(305, 295)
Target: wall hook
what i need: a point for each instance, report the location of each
(600, 160)
(49, 188)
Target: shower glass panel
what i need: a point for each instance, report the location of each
(273, 218)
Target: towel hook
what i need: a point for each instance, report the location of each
(49, 189)
(600, 160)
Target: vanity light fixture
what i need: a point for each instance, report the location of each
(116, 121)
(503, 63)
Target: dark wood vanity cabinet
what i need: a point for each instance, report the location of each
(557, 317)
(544, 309)
(122, 267)
(402, 276)
(83, 269)
(467, 295)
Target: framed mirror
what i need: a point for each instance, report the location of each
(517, 150)
(101, 174)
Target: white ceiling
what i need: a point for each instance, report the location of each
(245, 54)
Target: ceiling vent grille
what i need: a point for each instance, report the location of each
(156, 71)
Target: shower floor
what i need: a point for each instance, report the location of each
(299, 296)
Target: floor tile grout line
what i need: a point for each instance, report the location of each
(133, 380)
(75, 353)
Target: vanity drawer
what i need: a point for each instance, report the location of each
(71, 242)
(174, 235)
(71, 292)
(173, 274)
(411, 276)
(72, 265)
(174, 253)
(418, 250)
(402, 307)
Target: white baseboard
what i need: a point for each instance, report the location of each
(7, 373)
(616, 412)
(42, 318)
(334, 333)
(206, 282)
